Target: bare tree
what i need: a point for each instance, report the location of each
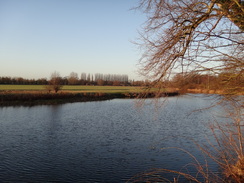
(205, 36)
(182, 36)
(55, 81)
(73, 78)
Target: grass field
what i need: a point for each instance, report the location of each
(11, 95)
(72, 88)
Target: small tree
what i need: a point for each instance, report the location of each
(55, 81)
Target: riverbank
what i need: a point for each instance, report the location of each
(39, 98)
(219, 92)
(206, 91)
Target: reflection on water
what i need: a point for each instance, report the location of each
(108, 141)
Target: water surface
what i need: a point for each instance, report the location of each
(108, 141)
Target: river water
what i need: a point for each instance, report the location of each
(108, 141)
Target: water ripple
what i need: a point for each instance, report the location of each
(109, 141)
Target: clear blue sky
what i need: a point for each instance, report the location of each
(38, 37)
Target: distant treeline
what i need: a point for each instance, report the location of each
(183, 81)
(22, 81)
(74, 79)
(226, 80)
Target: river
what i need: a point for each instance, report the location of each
(107, 141)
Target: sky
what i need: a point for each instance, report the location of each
(39, 37)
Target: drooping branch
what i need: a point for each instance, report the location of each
(234, 10)
(188, 34)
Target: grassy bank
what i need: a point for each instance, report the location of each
(38, 95)
(35, 98)
(38, 98)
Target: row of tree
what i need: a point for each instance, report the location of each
(184, 81)
(73, 79)
(98, 79)
(224, 81)
(23, 81)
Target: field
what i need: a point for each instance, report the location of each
(71, 88)
(39, 95)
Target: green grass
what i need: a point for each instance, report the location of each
(101, 89)
(73, 88)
